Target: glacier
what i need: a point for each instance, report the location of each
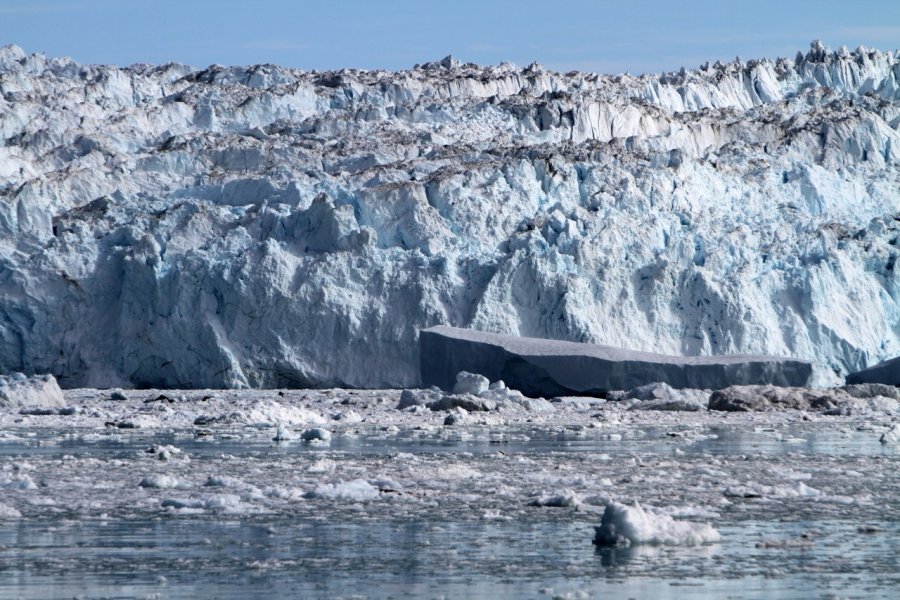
(165, 226)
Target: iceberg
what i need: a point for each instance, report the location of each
(540, 367)
(886, 372)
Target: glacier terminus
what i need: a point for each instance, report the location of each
(163, 226)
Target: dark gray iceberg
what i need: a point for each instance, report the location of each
(887, 372)
(539, 367)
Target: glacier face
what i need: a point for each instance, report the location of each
(263, 226)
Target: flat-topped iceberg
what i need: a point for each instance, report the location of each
(542, 367)
(886, 372)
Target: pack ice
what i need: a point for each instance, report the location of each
(264, 226)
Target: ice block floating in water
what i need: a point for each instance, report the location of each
(540, 367)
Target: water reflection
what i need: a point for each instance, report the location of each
(810, 439)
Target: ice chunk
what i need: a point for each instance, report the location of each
(470, 383)
(17, 482)
(673, 404)
(160, 481)
(418, 397)
(165, 452)
(457, 416)
(541, 367)
(467, 401)
(283, 434)
(263, 413)
(228, 503)
(623, 525)
(891, 436)
(356, 490)
(348, 416)
(563, 498)
(316, 434)
(30, 393)
(757, 490)
(661, 396)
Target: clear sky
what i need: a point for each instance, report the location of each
(628, 35)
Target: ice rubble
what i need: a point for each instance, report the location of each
(263, 226)
(549, 367)
(472, 393)
(836, 401)
(623, 525)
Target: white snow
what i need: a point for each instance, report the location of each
(745, 207)
(624, 525)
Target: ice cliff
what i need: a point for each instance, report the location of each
(265, 226)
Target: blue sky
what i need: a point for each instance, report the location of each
(636, 36)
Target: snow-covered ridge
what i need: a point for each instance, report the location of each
(266, 226)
